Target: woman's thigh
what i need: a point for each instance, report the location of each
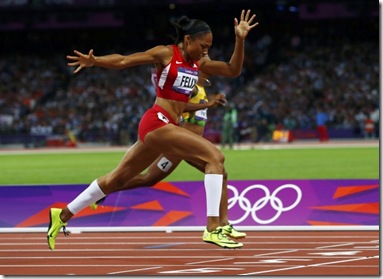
(179, 142)
(136, 159)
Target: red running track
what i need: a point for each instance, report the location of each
(265, 253)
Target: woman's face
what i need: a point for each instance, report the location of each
(198, 46)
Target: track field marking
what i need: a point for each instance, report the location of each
(367, 247)
(210, 261)
(335, 245)
(275, 261)
(143, 265)
(82, 265)
(107, 243)
(160, 246)
(278, 250)
(157, 250)
(340, 253)
(310, 265)
(275, 253)
(200, 270)
(346, 256)
(134, 270)
(43, 237)
(203, 259)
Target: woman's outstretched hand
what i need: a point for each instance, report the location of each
(81, 60)
(242, 28)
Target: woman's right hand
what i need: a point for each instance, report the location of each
(81, 60)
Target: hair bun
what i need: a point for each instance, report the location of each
(183, 20)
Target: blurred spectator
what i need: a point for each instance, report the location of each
(375, 117)
(99, 105)
(229, 125)
(321, 124)
(372, 119)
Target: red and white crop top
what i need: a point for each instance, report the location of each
(177, 80)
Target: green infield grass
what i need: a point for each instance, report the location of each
(305, 163)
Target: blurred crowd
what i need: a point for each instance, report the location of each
(286, 88)
(342, 81)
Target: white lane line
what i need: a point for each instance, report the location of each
(82, 265)
(335, 245)
(367, 247)
(310, 265)
(275, 253)
(150, 266)
(340, 253)
(108, 243)
(162, 257)
(134, 270)
(210, 261)
(284, 237)
(352, 243)
(345, 261)
(99, 243)
(274, 270)
(62, 250)
(217, 258)
(275, 261)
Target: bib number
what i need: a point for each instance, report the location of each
(164, 164)
(201, 114)
(162, 117)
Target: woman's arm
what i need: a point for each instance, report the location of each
(218, 99)
(232, 68)
(156, 55)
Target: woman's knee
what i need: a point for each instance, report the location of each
(217, 159)
(224, 174)
(106, 183)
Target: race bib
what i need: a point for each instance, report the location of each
(201, 114)
(164, 164)
(162, 117)
(185, 81)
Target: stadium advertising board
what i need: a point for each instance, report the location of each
(251, 203)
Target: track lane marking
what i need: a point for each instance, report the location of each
(134, 270)
(210, 261)
(310, 265)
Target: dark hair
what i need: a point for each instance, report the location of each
(186, 26)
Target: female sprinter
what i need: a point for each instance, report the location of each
(159, 133)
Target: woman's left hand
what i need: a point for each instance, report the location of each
(219, 99)
(242, 28)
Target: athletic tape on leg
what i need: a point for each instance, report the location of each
(213, 188)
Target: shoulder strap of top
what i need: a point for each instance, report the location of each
(177, 53)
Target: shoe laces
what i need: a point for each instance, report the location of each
(230, 227)
(220, 234)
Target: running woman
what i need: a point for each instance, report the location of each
(159, 131)
(194, 119)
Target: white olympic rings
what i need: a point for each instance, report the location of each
(276, 203)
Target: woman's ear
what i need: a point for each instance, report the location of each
(187, 40)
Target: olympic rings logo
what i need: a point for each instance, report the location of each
(275, 202)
